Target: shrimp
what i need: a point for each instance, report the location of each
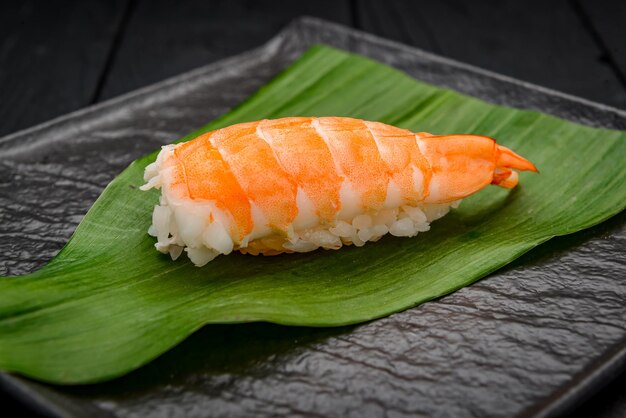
(301, 183)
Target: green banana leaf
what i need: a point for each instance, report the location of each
(109, 303)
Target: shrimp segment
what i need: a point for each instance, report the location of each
(260, 175)
(357, 156)
(211, 181)
(298, 184)
(304, 154)
(409, 169)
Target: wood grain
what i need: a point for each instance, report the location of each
(534, 40)
(162, 41)
(606, 21)
(51, 57)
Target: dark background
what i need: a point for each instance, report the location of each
(60, 56)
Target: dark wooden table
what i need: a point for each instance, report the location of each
(59, 56)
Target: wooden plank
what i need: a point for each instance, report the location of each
(397, 20)
(51, 57)
(607, 21)
(162, 41)
(543, 42)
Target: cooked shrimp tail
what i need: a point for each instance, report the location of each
(464, 164)
(506, 159)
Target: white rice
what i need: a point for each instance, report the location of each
(183, 225)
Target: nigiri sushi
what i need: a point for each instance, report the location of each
(301, 183)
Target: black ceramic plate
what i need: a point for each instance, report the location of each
(533, 339)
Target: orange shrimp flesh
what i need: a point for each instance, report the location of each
(200, 174)
(356, 154)
(260, 175)
(409, 169)
(304, 154)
